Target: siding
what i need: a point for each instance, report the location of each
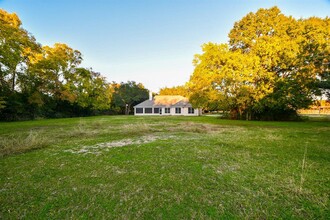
(184, 111)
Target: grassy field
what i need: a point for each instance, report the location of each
(128, 167)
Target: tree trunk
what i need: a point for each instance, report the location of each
(127, 109)
(13, 82)
(240, 115)
(233, 114)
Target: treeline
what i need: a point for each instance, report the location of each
(44, 81)
(272, 66)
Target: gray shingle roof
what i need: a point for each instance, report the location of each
(146, 103)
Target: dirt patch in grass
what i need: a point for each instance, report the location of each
(98, 148)
(143, 133)
(43, 136)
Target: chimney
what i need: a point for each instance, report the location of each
(150, 95)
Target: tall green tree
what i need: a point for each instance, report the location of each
(44, 81)
(55, 69)
(316, 44)
(128, 94)
(91, 89)
(16, 44)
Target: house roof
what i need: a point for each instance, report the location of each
(165, 101)
(146, 103)
(168, 100)
(182, 103)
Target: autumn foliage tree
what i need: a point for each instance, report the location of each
(45, 81)
(272, 66)
(175, 90)
(55, 69)
(230, 80)
(16, 44)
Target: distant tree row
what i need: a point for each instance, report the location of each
(44, 81)
(273, 66)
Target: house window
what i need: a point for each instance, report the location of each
(156, 110)
(139, 110)
(177, 110)
(191, 110)
(148, 110)
(167, 110)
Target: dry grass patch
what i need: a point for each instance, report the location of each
(203, 128)
(136, 128)
(20, 143)
(83, 129)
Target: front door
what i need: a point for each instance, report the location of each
(160, 111)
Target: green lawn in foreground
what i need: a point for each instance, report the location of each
(130, 167)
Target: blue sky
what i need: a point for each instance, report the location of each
(148, 41)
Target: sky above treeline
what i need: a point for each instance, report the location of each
(147, 41)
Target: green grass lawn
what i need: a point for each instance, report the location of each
(128, 167)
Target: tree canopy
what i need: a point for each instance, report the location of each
(176, 90)
(126, 95)
(16, 44)
(47, 81)
(272, 66)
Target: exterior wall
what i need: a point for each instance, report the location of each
(184, 111)
(145, 113)
(171, 112)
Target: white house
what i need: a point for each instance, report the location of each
(166, 105)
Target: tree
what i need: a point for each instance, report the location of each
(316, 44)
(55, 69)
(273, 66)
(126, 95)
(44, 81)
(91, 89)
(227, 80)
(176, 90)
(16, 44)
(293, 51)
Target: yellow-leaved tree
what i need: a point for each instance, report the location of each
(272, 66)
(227, 80)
